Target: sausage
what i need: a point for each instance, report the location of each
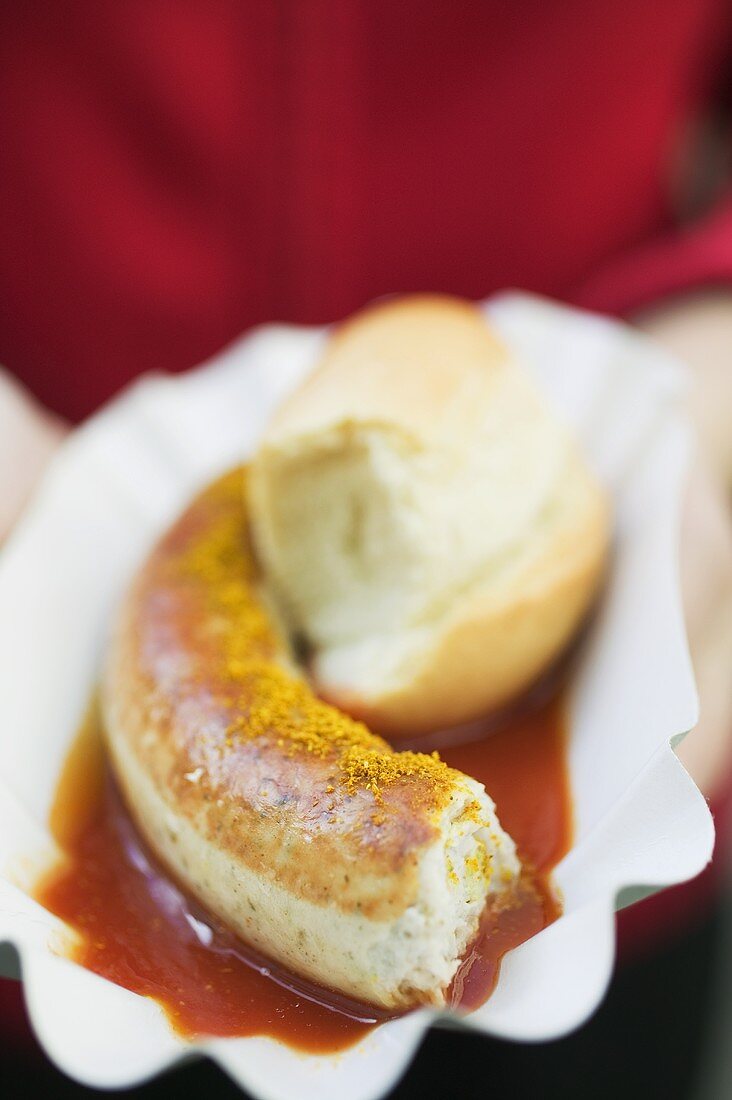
(354, 866)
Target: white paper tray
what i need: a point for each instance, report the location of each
(122, 477)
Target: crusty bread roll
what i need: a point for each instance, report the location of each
(355, 866)
(426, 524)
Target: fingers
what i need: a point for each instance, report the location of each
(29, 435)
(706, 579)
(698, 329)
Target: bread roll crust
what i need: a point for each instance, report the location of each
(418, 420)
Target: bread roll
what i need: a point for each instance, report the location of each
(425, 523)
(354, 866)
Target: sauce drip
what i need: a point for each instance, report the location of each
(523, 767)
(137, 928)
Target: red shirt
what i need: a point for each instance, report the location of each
(171, 174)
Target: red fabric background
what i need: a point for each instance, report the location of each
(172, 173)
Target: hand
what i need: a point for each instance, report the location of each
(29, 435)
(699, 331)
(706, 583)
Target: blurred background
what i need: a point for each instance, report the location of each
(173, 172)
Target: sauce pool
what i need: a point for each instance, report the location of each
(136, 927)
(523, 767)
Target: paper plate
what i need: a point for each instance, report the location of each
(119, 481)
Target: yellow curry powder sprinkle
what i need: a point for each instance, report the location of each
(266, 699)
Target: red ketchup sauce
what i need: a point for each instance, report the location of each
(136, 927)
